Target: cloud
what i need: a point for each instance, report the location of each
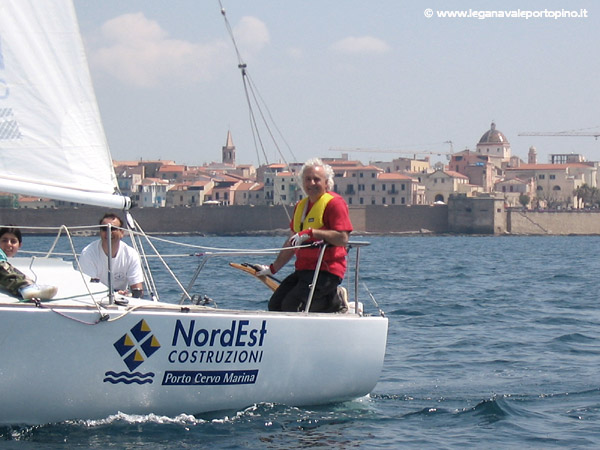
(295, 52)
(251, 35)
(139, 52)
(364, 45)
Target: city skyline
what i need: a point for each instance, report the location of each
(375, 76)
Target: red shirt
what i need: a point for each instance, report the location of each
(335, 217)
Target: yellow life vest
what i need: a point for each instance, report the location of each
(314, 217)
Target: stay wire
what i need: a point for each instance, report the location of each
(253, 97)
(136, 240)
(242, 66)
(258, 97)
(258, 143)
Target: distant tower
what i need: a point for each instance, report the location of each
(228, 155)
(495, 146)
(532, 156)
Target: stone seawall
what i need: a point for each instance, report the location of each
(236, 219)
(553, 222)
(206, 220)
(402, 219)
(470, 217)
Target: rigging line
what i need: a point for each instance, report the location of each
(230, 31)
(273, 120)
(136, 241)
(242, 66)
(202, 247)
(251, 88)
(167, 267)
(256, 96)
(83, 276)
(265, 122)
(253, 123)
(250, 92)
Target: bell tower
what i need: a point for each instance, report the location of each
(532, 155)
(228, 151)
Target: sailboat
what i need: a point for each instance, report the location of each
(89, 352)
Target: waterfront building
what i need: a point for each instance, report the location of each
(477, 168)
(223, 191)
(441, 183)
(151, 193)
(189, 194)
(555, 183)
(249, 193)
(495, 146)
(25, 201)
(405, 165)
(129, 177)
(370, 185)
(285, 189)
(172, 172)
(511, 190)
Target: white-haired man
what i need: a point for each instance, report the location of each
(321, 216)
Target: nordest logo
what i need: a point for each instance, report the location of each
(240, 343)
(238, 335)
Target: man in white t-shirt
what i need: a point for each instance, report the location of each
(126, 267)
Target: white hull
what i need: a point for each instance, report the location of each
(191, 359)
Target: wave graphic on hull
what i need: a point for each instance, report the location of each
(128, 378)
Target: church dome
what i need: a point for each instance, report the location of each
(493, 136)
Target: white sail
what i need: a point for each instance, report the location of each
(52, 143)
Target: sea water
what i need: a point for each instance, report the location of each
(494, 342)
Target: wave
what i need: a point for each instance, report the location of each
(574, 337)
(405, 312)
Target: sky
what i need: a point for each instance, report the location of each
(377, 79)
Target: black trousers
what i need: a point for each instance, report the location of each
(292, 293)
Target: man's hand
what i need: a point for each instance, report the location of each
(301, 237)
(265, 270)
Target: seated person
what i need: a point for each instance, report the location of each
(126, 266)
(11, 278)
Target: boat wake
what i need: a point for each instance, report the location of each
(267, 416)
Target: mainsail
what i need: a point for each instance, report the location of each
(52, 143)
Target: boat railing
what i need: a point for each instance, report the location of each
(206, 257)
(352, 278)
(357, 245)
(351, 244)
(313, 285)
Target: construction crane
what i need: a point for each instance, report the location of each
(398, 152)
(563, 158)
(561, 133)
